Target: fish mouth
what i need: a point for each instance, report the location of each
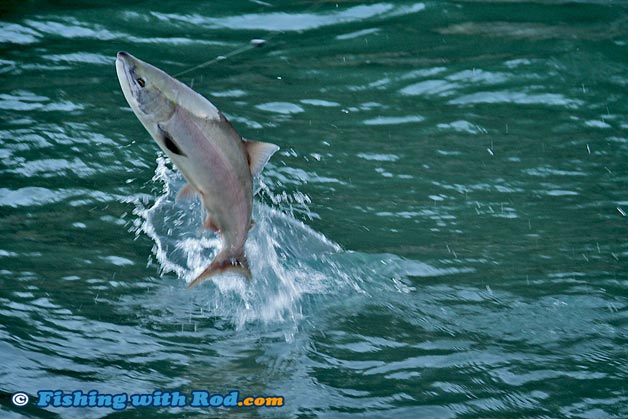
(125, 59)
(122, 59)
(122, 68)
(122, 54)
(130, 89)
(126, 69)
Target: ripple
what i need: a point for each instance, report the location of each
(247, 121)
(14, 33)
(22, 100)
(560, 192)
(520, 98)
(38, 196)
(118, 261)
(394, 120)
(378, 157)
(32, 196)
(547, 171)
(508, 29)
(320, 102)
(171, 40)
(292, 21)
(463, 126)
(596, 123)
(422, 73)
(56, 167)
(81, 57)
(357, 34)
(291, 175)
(285, 108)
(475, 76)
(72, 28)
(230, 93)
(430, 87)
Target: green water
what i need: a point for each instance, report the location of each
(443, 233)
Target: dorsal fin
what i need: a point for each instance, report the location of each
(259, 153)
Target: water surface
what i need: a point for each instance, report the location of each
(443, 233)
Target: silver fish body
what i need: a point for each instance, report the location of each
(217, 162)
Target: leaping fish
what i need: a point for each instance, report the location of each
(218, 164)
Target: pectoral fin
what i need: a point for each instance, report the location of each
(259, 153)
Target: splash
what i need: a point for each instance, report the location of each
(293, 267)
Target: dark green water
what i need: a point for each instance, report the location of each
(443, 234)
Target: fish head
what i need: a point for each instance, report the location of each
(149, 91)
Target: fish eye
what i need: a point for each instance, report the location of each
(141, 82)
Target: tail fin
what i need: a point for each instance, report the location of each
(225, 260)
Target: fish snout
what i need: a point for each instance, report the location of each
(125, 59)
(125, 56)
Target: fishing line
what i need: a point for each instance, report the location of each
(219, 58)
(254, 43)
